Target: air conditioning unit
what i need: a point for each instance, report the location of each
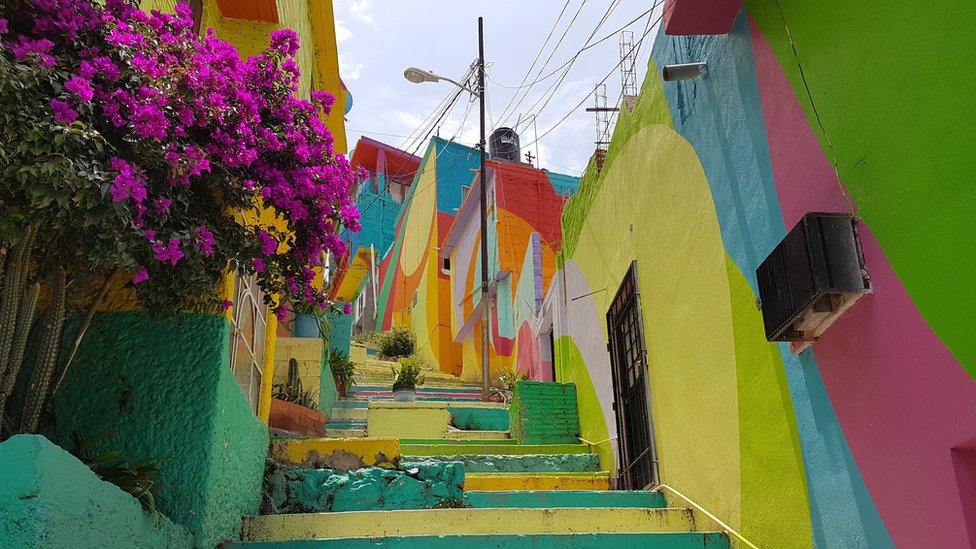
(811, 277)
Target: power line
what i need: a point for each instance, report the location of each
(554, 88)
(583, 100)
(571, 59)
(504, 117)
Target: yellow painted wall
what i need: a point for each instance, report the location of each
(414, 422)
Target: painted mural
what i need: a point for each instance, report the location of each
(702, 181)
(433, 266)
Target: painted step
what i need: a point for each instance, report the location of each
(649, 540)
(457, 442)
(346, 424)
(482, 418)
(460, 434)
(549, 499)
(532, 463)
(446, 522)
(332, 453)
(506, 482)
(423, 388)
(344, 433)
(347, 413)
(473, 447)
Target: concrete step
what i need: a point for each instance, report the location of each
(460, 434)
(347, 413)
(465, 522)
(332, 453)
(533, 463)
(344, 433)
(492, 448)
(507, 482)
(655, 540)
(548, 499)
(346, 424)
(457, 441)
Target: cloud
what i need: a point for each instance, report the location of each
(362, 10)
(342, 31)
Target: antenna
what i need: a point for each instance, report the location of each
(628, 75)
(602, 117)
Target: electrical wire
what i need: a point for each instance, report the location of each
(587, 96)
(504, 117)
(555, 87)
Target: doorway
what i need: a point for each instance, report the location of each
(628, 360)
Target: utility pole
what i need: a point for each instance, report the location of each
(483, 183)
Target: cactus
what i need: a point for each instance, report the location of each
(25, 319)
(13, 289)
(47, 357)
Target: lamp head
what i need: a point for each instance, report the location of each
(419, 76)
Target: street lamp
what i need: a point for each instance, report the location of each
(419, 76)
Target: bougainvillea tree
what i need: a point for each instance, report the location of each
(131, 147)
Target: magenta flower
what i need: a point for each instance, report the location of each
(324, 99)
(258, 265)
(205, 240)
(281, 313)
(226, 304)
(268, 244)
(170, 253)
(149, 234)
(3, 26)
(125, 184)
(148, 121)
(63, 113)
(140, 275)
(347, 308)
(81, 87)
(162, 205)
(284, 41)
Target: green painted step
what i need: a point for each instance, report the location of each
(548, 499)
(479, 447)
(535, 463)
(457, 441)
(659, 540)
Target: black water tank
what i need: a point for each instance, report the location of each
(504, 145)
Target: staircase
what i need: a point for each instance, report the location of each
(391, 475)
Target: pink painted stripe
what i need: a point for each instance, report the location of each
(902, 400)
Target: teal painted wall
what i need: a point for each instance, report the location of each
(479, 419)
(168, 388)
(50, 499)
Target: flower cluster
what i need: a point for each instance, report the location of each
(201, 142)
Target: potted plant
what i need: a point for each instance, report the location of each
(407, 378)
(293, 409)
(343, 371)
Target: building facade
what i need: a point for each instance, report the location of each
(805, 107)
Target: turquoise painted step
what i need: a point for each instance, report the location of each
(532, 463)
(424, 388)
(458, 441)
(544, 499)
(479, 419)
(473, 447)
(664, 540)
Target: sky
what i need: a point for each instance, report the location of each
(378, 39)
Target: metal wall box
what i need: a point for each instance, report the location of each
(811, 277)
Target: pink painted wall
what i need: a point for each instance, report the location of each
(885, 370)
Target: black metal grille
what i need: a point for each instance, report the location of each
(628, 358)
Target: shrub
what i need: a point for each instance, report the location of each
(397, 342)
(294, 394)
(410, 374)
(366, 338)
(342, 369)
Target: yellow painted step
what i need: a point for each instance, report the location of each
(348, 413)
(442, 522)
(498, 482)
(459, 434)
(337, 453)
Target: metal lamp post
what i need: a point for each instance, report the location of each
(419, 76)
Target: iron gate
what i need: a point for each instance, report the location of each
(628, 359)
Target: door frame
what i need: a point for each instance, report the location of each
(621, 418)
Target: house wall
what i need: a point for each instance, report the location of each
(702, 180)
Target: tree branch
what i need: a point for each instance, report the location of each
(85, 323)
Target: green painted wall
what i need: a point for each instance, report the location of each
(901, 127)
(50, 499)
(544, 412)
(168, 388)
